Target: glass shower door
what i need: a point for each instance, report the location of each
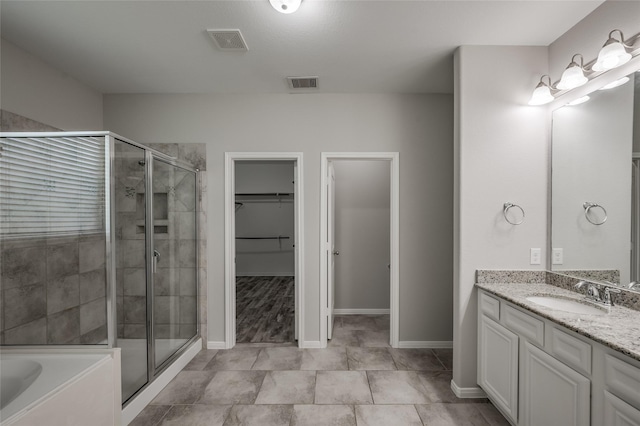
(173, 259)
(129, 179)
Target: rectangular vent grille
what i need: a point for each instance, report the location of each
(229, 40)
(303, 82)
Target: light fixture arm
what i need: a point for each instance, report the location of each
(573, 60)
(549, 80)
(622, 41)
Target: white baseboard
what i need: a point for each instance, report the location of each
(312, 344)
(266, 274)
(135, 406)
(216, 345)
(474, 392)
(361, 311)
(425, 344)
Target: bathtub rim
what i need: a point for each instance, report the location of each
(103, 356)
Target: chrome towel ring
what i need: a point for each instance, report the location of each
(505, 210)
(588, 206)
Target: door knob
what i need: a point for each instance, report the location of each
(336, 253)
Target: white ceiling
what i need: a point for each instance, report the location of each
(353, 46)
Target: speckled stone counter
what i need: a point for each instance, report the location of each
(619, 329)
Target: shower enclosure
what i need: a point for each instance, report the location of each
(98, 241)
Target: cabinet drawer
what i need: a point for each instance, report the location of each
(570, 350)
(523, 324)
(622, 380)
(489, 306)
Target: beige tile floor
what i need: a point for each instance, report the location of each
(358, 380)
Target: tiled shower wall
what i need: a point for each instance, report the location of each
(53, 290)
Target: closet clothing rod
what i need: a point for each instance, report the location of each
(270, 194)
(262, 238)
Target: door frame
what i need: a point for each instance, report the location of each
(394, 275)
(230, 237)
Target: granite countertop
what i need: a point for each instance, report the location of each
(619, 329)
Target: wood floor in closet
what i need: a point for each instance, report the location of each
(265, 309)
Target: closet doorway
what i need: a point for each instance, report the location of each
(359, 243)
(263, 248)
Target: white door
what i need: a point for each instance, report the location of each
(296, 218)
(331, 249)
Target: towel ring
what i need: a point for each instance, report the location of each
(588, 206)
(505, 209)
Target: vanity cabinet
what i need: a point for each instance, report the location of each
(540, 373)
(498, 365)
(531, 387)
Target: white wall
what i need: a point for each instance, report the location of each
(418, 126)
(264, 216)
(591, 161)
(501, 151)
(362, 216)
(34, 89)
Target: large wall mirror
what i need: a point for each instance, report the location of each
(595, 186)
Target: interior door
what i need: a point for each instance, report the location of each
(296, 286)
(331, 249)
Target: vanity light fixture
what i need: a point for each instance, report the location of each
(579, 101)
(616, 83)
(613, 53)
(573, 76)
(285, 6)
(542, 93)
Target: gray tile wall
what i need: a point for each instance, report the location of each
(53, 290)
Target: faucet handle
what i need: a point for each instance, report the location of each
(580, 283)
(607, 299)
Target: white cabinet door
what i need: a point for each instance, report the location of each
(619, 413)
(498, 366)
(552, 393)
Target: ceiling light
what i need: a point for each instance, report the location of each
(613, 53)
(573, 76)
(579, 101)
(285, 6)
(616, 83)
(542, 93)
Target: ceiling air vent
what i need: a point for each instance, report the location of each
(302, 82)
(229, 40)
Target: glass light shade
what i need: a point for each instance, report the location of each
(285, 6)
(616, 83)
(541, 95)
(579, 101)
(612, 55)
(572, 77)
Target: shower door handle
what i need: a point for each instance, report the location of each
(156, 259)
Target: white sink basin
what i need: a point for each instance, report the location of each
(567, 305)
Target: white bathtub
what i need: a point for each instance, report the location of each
(55, 386)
